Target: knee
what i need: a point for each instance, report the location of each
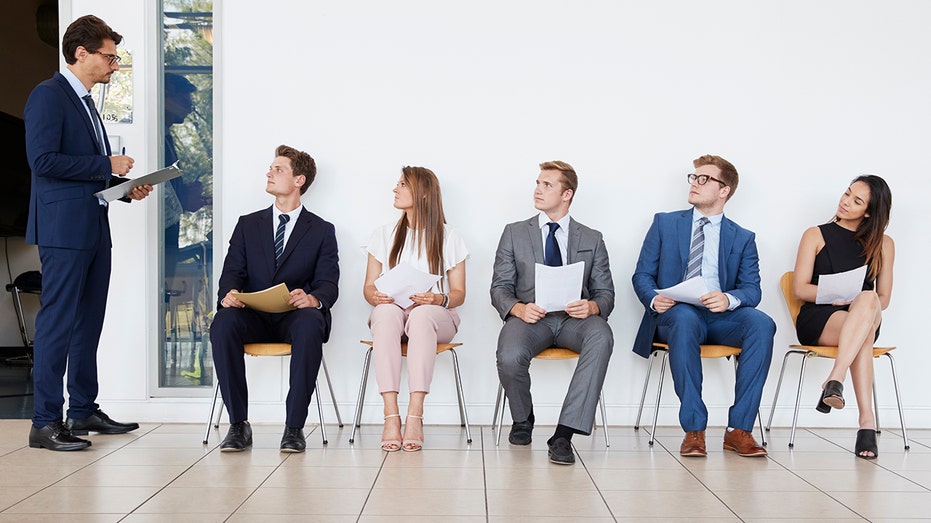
(868, 301)
(386, 315)
(308, 327)
(225, 321)
(512, 360)
(422, 316)
(599, 337)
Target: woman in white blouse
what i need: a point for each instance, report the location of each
(422, 239)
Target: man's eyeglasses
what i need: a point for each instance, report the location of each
(111, 58)
(703, 179)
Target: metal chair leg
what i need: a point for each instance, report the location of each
(876, 408)
(785, 359)
(463, 414)
(643, 396)
(320, 410)
(898, 399)
(357, 419)
(494, 417)
(798, 399)
(604, 418)
(503, 403)
(659, 393)
(213, 407)
(329, 383)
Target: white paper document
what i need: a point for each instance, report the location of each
(556, 287)
(122, 190)
(842, 287)
(690, 291)
(402, 281)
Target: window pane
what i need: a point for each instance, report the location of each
(187, 202)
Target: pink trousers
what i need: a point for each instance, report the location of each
(424, 326)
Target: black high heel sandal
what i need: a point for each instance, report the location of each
(831, 396)
(866, 442)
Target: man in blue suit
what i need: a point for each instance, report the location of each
(701, 242)
(69, 155)
(287, 244)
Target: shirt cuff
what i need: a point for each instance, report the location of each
(733, 301)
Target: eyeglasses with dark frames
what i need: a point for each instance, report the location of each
(111, 58)
(703, 179)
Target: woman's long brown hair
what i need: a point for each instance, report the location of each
(872, 229)
(428, 220)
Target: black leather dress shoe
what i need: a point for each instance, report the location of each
(100, 423)
(55, 436)
(521, 432)
(237, 438)
(561, 452)
(293, 440)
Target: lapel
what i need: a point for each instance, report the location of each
(536, 239)
(575, 235)
(81, 109)
(684, 233)
(300, 229)
(724, 249)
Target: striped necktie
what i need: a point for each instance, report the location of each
(696, 250)
(279, 237)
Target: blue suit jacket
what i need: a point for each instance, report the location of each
(66, 167)
(664, 256)
(310, 260)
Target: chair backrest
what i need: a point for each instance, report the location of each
(787, 282)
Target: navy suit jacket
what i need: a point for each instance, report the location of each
(310, 260)
(67, 168)
(664, 256)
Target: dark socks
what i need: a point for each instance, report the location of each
(562, 431)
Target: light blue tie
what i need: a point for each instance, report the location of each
(696, 250)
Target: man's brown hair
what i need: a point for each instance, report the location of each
(301, 164)
(569, 179)
(88, 32)
(728, 171)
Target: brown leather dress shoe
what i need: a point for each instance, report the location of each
(742, 442)
(693, 444)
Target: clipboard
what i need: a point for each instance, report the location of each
(122, 190)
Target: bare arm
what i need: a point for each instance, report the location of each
(369, 291)
(884, 280)
(812, 242)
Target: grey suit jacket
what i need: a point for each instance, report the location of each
(521, 247)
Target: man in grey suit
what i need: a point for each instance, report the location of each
(549, 238)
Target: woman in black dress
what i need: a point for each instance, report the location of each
(853, 238)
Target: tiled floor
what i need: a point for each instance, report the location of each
(163, 473)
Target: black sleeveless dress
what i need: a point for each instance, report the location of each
(840, 253)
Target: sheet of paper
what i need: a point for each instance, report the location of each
(556, 287)
(272, 299)
(690, 291)
(122, 190)
(402, 281)
(842, 287)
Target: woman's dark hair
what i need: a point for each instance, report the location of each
(872, 229)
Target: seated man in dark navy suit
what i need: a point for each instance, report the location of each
(287, 244)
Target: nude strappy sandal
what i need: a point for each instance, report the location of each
(413, 445)
(391, 445)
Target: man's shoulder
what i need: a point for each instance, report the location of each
(736, 228)
(522, 223)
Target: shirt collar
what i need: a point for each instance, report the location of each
(563, 222)
(293, 214)
(75, 84)
(713, 220)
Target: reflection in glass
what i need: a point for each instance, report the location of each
(187, 202)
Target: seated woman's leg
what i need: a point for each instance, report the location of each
(851, 331)
(387, 324)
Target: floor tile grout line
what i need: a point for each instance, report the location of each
(368, 495)
(595, 483)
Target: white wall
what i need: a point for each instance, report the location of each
(800, 96)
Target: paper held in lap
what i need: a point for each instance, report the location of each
(402, 281)
(556, 287)
(122, 190)
(272, 299)
(690, 291)
(842, 287)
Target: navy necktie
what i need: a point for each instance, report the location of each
(95, 119)
(279, 237)
(551, 255)
(696, 250)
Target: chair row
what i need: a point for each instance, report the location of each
(659, 350)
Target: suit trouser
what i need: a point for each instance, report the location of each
(519, 342)
(75, 283)
(233, 328)
(684, 327)
(424, 326)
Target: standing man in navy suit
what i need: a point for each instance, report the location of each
(69, 155)
(287, 244)
(702, 242)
